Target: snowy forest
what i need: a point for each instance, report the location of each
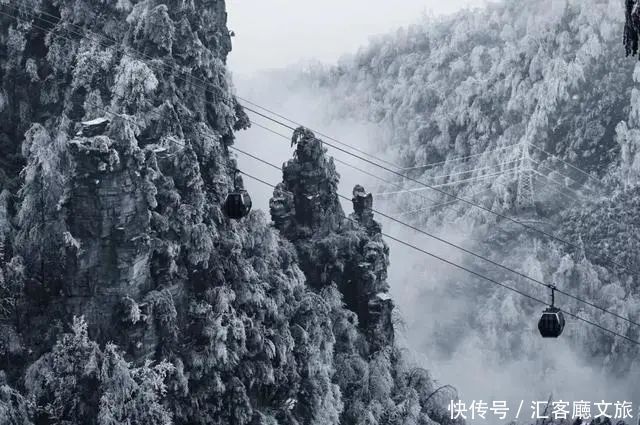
(129, 296)
(530, 110)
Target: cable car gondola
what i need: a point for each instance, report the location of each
(238, 202)
(551, 323)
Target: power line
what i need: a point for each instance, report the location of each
(403, 213)
(573, 197)
(418, 189)
(479, 256)
(575, 193)
(477, 274)
(488, 167)
(489, 175)
(449, 160)
(583, 185)
(567, 163)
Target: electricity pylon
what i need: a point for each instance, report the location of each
(525, 197)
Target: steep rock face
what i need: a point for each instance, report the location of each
(109, 221)
(334, 249)
(83, 224)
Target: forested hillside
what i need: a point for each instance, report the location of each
(127, 296)
(459, 101)
(488, 78)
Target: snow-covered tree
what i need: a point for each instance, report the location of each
(113, 391)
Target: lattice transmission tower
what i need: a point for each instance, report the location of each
(525, 198)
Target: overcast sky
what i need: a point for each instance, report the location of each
(276, 33)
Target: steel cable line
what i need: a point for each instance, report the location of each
(572, 196)
(583, 185)
(471, 203)
(575, 191)
(479, 256)
(447, 161)
(479, 178)
(419, 189)
(475, 273)
(488, 167)
(399, 174)
(422, 209)
(567, 163)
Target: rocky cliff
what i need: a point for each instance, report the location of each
(126, 295)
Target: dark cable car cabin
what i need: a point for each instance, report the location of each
(238, 202)
(551, 323)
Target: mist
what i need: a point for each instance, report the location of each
(271, 34)
(434, 300)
